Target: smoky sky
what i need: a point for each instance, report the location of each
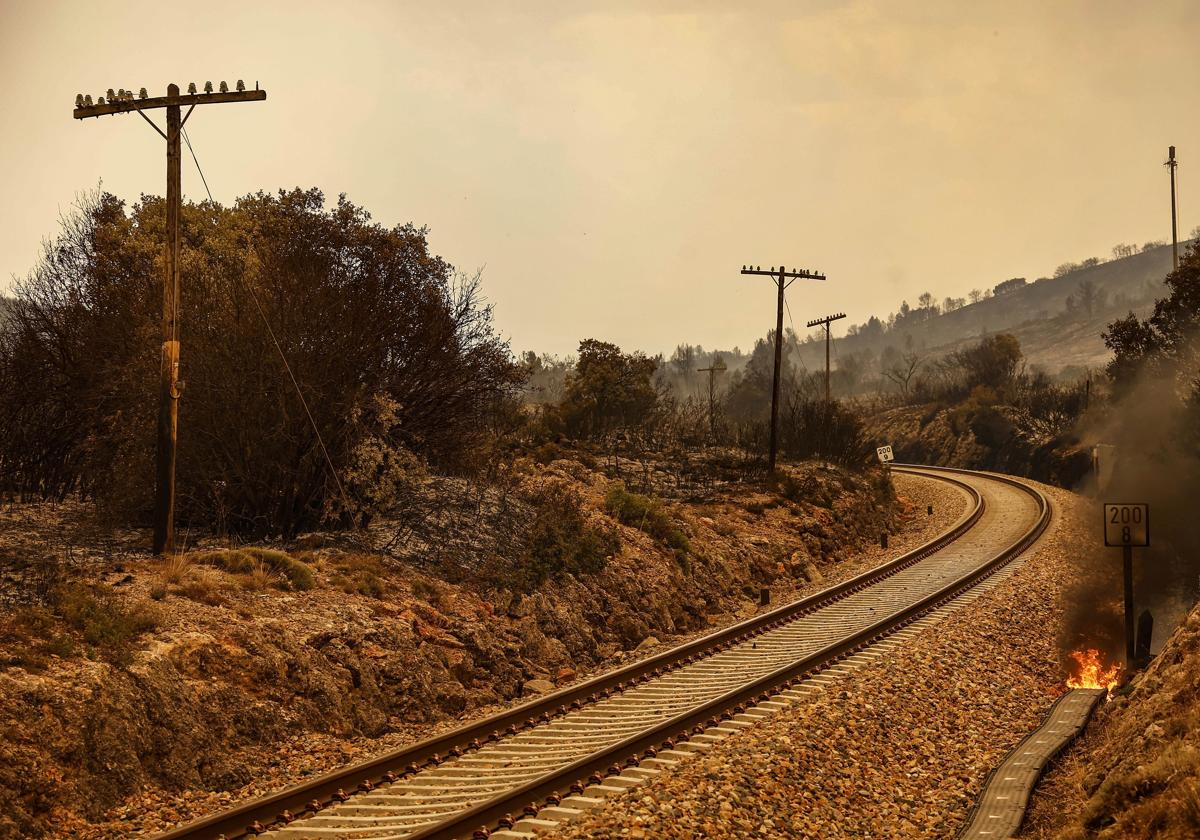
(610, 166)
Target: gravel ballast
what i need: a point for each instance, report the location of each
(900, 748)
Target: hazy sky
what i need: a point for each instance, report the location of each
(612, 165)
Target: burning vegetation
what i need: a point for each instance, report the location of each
(1090, 671)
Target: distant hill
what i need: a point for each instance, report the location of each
(1058, 320)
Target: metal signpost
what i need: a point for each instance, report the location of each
(1127, 525)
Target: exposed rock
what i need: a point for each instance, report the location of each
(537, 687)
(647, 643)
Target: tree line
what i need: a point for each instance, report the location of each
(394, 353)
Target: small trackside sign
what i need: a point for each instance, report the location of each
(885, 453)
(1127, 524)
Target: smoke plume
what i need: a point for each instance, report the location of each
(1152, 429)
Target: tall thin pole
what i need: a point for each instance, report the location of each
(826, 321)
(1130, 647)
(775, 378)
(124, 102)
(783, 279)
(826, 361)
(1171, 164)
(168, 404)
(716, 367)
(712, 402)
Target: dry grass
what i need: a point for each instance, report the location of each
(31, 636)
(175, 568)
(261, 576)
(203, 586)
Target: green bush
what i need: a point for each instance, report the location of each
(547, 452)
(557, 539)
(647, 514)
(288, 572)
(428, 591)
(106, 624)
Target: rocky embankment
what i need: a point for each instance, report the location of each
(235, 682)
(980, 438)
(1135, 773)
(898, 749)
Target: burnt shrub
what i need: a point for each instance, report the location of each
(811, 428)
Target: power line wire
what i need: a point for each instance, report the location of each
(279, 349)
(198, 169)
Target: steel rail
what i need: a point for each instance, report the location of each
(310, 797)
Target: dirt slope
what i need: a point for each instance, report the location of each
(230, 681)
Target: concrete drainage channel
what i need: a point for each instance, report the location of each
(526, 770)
(1000, 809)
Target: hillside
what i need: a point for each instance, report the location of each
(1036, 313)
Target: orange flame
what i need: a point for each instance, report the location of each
(1090, 671)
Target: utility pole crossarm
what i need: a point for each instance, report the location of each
(802, 274)
(128, 103)
(819, 321)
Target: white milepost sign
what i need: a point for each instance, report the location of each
(885, 454)
(1127, 525)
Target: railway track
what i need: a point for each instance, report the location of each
(523, 770)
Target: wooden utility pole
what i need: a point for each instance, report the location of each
(1171, 164)
(718, 366)
(783, 278)
(826, 321)
(170, 386)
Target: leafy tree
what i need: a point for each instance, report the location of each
(1166, 342)
(608, 391)
(992, 362)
